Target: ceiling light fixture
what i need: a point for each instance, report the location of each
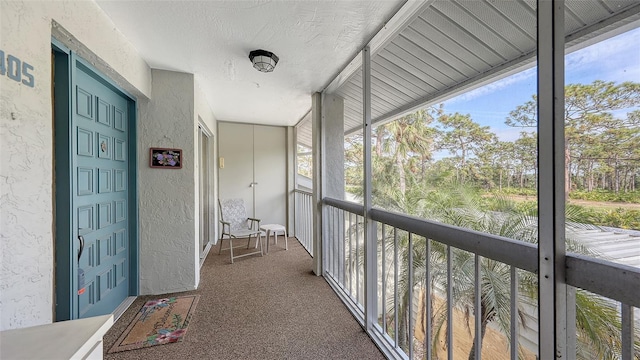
(263, 60)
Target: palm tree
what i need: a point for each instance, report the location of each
(597, 323)
(406, 139)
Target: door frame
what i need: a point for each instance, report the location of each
(212, 206)
(63, 70)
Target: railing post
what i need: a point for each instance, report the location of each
(552, 290)
(571, 323)
(515, 333)
(628, 337)
(370, 232)
(318, 168)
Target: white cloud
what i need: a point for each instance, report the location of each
(495, 86)
(615, 58)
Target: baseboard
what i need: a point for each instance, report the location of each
(123, 307)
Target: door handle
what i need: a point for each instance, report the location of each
(253, 184)
(81, 238)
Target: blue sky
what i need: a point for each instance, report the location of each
(615, 59)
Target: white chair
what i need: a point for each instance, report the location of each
(236, 224)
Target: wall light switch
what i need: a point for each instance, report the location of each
(221, 162)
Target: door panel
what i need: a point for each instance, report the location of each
(99, 196)
(270, 169)
(236, 147)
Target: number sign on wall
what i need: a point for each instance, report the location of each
(16, 69)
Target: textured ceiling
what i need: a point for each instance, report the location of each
(212, 39)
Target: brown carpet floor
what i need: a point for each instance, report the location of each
(269, 307)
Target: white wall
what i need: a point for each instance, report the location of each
(26, 135)
(169, 198)
(168, 208)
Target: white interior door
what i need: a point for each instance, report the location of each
(270, 170)
(235, 146)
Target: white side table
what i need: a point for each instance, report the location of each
(275, 229)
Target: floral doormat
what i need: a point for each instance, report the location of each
(161, 321)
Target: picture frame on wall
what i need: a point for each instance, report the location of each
(165, 158)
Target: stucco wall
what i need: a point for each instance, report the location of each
(26, 135)
(168, 205)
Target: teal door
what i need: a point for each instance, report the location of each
(100, 194)
(95, 198)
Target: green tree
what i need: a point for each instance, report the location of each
(616, 149)
(588, 114)
(304, 161)
(407, 140)
(525, 153)
(353, 163)
(464, 139)
(504, 161)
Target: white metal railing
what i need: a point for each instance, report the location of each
(303, 223)
(343, 249)
(416, 251)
